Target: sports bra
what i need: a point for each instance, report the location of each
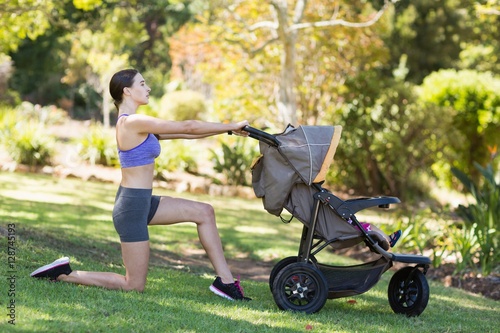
(144, 153)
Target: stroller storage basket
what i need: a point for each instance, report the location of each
(353, 280)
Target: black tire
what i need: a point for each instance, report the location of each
(408, 292)
(282, 264)
(300, 287)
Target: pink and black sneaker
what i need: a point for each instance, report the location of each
(395, 237)
(53, 270)
(231, 291)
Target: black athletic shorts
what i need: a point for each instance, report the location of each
(134, 209)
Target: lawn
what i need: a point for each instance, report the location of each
(48, 218)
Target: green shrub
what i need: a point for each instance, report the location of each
(46, 115)
(469, 106)
(175, 156)
(416, 236)
(9, 97)
(425, 230)
(27, 142)
(183, 105)
(98, 146)
(386, 145)
(8, 119)
(233, 162)
(465, 245)
(482, 218)
(23, 133)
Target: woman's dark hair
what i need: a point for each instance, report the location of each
(120, 80)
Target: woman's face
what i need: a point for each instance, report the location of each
(139, 91)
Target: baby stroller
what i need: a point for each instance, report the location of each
(289, 175)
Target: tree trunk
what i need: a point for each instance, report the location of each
(106, 100)
(287, 104)
(286, 101)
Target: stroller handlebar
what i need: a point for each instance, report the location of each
(262, 136)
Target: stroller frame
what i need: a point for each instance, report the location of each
(300, 283)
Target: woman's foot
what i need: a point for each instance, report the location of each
(53, 270)
(231, 291)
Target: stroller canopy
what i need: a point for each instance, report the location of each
(303, 155)
(310, 150)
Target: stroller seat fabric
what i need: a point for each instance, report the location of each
(282, 176)
(303, 156)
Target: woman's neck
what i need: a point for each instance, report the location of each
(128, 108)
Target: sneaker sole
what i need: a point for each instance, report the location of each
(220, 293)
(59, 262)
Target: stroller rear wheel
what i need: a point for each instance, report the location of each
(408, 291)
(300, 287)
(282, 264)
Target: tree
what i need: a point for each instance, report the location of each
(19, 20)
(481, 52)
(86, 40)
(255, 28)
(460, 34)
(22, 19)
(389, 140)
(41, 63)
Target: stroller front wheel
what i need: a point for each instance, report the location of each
(408, 292)
(300, 287)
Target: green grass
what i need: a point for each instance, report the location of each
(55, 217)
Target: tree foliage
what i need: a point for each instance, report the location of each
(358, 63)
(86, 41)
(430, 33)
(481, 52)
(271, 40)
(388, 140)
(22, 19)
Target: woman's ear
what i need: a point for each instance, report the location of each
(126, 91)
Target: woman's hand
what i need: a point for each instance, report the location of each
(239, 128)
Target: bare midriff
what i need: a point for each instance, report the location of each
(138, 177)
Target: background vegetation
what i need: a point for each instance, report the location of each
(419, 78)
(415, 85)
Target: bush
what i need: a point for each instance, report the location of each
(24, 135)
(45, 115)
(98, 146)
(387, 145)
(26, 142)
(469, 105)
(183, 105)
(482, 218)
(177, 156)
(233, 162)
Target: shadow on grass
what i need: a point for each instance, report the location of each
(171, 308)
(85, 231)
(172, 301)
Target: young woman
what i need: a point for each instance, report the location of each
(135, 207)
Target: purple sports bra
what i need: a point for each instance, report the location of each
(143, 154)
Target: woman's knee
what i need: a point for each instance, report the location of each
(134, 286)
(206, 213)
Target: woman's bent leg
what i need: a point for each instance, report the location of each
(135, 258)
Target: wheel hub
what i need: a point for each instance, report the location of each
(299, 290)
